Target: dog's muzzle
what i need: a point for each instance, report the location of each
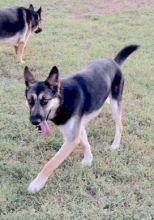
(41, 124)
(36, 120)
(38, 30)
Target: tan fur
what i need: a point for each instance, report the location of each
(71, 140)
(51, 165)
(20, 51)
(52, 107)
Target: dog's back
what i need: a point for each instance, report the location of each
(88, 89)
(12, 21)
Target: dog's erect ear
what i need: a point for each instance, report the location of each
(53, 77)
(29, 78)
(31, 7)
(39, 11)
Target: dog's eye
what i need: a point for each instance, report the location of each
(31, 102)
(44, 102)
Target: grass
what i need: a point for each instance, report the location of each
(119, 185)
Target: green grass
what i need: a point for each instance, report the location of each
(119, 183)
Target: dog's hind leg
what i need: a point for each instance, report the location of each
(20, 51)
(115, 99)
(88, 157)
(71, 133)
(117, 114)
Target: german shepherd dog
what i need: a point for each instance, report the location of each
(72, 102)
(16, 25)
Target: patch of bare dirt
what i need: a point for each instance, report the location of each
(85, 8)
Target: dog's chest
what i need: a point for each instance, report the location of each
(10, 40)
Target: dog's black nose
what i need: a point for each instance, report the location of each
(38, 30)
(35, 120)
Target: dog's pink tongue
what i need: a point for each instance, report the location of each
(45, 130)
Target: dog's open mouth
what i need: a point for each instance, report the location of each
(44, 128)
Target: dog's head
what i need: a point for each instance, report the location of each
(35, 19)
(42, 98)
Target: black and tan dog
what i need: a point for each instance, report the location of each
(73, 101)
(16, 25)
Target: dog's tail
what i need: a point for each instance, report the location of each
(124, 53)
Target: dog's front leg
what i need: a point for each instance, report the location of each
(15, 48)
(19, 51)
(51, 165)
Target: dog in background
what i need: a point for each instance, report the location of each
(16, 25)
(72, 102)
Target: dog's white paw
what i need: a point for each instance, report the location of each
(107, 100)
(36, 184)
(115, 146)
(22, 61)
(87, 161)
